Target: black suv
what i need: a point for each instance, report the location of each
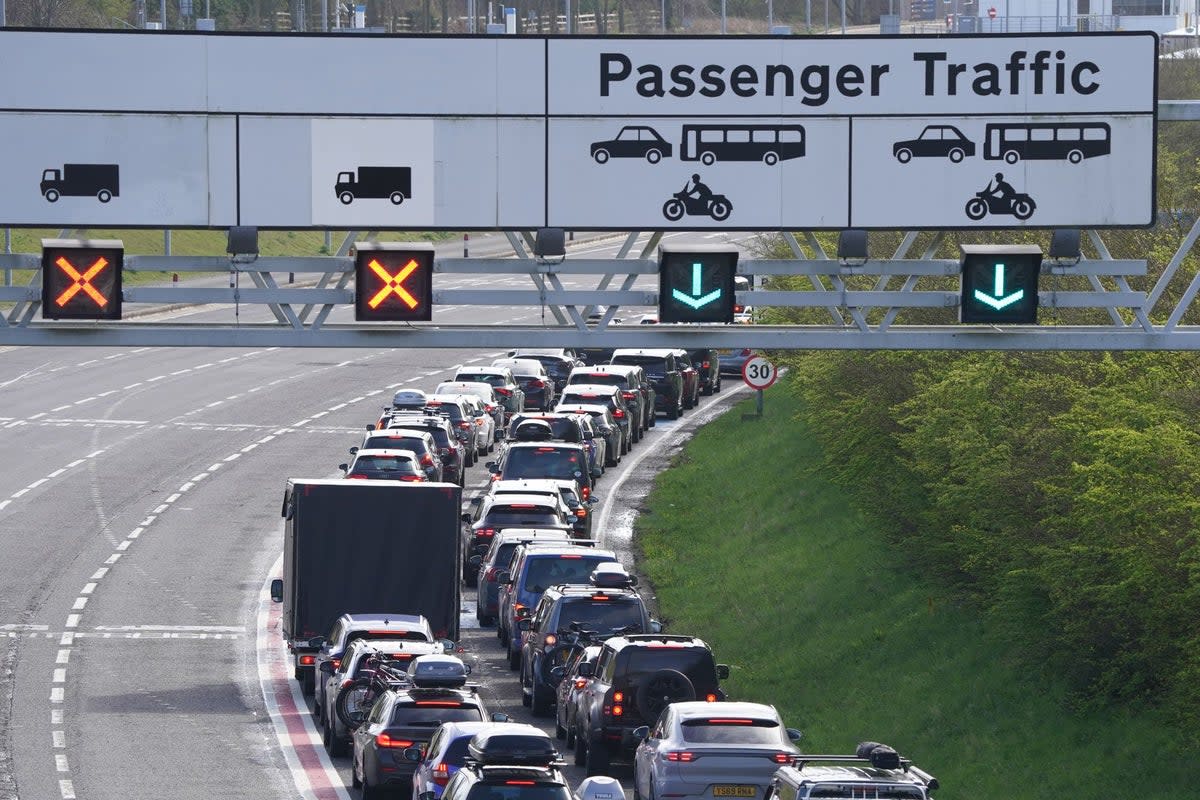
(607, 606)
(632, 680)
(708, 363)
(665, 374)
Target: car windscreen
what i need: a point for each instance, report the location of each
(518, 517)
(731, 730)
(401, 465)
(411, 714)
(560, 427)
(695, 662)
(543, 462)
(866, 791)
(654, 367)
(518, 789)
(602, 616)
(600, 378)
(550, 569)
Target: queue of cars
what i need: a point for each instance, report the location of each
(571, 620)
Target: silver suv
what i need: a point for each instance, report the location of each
(874, 772)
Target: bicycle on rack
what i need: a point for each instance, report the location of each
(356, 698)
(571, 640)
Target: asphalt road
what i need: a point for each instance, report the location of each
(139, 515)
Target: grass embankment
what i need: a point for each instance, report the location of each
(750, 549)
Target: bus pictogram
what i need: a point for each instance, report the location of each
(1042, 141)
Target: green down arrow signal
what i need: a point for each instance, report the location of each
(696, 300)
(997, 299)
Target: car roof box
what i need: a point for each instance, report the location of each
(438, 672)
(600, 787)
(409, 398)
(611, 575)
(880, 755)
(522, 745)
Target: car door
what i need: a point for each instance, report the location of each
(645, 756)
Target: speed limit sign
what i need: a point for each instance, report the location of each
(759, 373)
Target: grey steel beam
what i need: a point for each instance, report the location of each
(950, 337)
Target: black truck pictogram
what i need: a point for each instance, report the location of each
(101, 181)
(374, 183)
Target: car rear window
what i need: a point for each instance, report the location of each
(602, 378)
(548, 569)
(602, 616)
(367, 665)
(451, 410)
(398, 464)
(731, 730)
(407, 636)
(654, 367)
(589, 399)
(397, 443)
(543, 462)
(518, 788)
(412, 714)
(514, 517)
(456, 753)
(490, 379)
(695, 662)
(560, 427)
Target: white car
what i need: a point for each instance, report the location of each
(712, 750)
(499, 378)
(482, 420)
(486, 394)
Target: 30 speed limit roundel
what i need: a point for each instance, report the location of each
(759, 373)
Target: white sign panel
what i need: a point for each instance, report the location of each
(722, 133)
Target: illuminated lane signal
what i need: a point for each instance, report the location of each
(81, 278)
(696, 284)
(394, 282)
(1000, 284)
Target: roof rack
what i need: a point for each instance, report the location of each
(879, 756)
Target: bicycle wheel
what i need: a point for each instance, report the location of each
(354, 702)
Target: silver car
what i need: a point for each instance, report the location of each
(712, 750)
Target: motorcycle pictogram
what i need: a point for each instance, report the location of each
(998, 197)
(697, 201)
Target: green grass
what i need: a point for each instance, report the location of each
(818, 614)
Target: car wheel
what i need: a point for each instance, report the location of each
(370, 792)
(333, 743)
(904, 155)
(717, 385)
(580, 750)
(673, 412)
(354, 779)
(596, 762)
(956, 155)
(689, 401)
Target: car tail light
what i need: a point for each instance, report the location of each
(337, 662)
(619, 414)
(439, 703)
(486, 532)
(711, 698)
(601, 597)
(537, 384)
(580, 683)
(680, 755)
(618, 697)
(704, 364)
(427, 460)
(383, 740)
(480, 421)
(505, 392)
(586, 493)
(569, 555)
(464, 424)
(441, 773)
(412, 478)
(738, 309)
(628, 395)
(618, 710)
(520, 783)
(520, 610)
(550, 640)
(782, 758)
(307, 661)
(356, 477)
(581, 513)
(491, 407)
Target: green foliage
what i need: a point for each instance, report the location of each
(1058, 493)
(851, 635)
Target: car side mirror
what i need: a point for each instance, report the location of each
(465, 517)
(343, 467)
(412, 754)
(593, 500)
(277, 590)
(722, 671)
(656, 626)
(642, 732)
(326, 667)
(476, 500)
(353, 450)
(587, 669)
(448, 645)
(475, 560)
(371, 427)
(523, 624)
(317, 641)
(498, 717)
(558, 673)
(492, 466)
(504, 577)
(794, 734)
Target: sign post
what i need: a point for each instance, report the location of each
(759, 374)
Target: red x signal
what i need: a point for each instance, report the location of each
(81, 278)
(393, 283)
(81, 281)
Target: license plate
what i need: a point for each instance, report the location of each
(734, 791)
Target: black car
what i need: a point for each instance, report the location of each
(936, 141)
(420, 442)
(592, 394)
(406, 718)
(454, 457)
(633, 141)
(665, 372)
(558, 363)
(608, 606)
(544, 460)
(632, 680)
(533, 378)
(570, 689)
(626, 378)
(707, 362)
